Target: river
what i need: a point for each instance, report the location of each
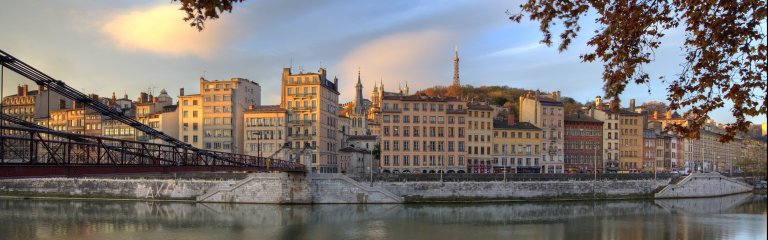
(731, 217)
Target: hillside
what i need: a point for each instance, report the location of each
(499, 95)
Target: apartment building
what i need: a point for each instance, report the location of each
(312, 104)
(546, 112)
(631, 125)
(30, 105)
(516, 146)
(602, 112)
(583, 144)
(190, 112)
(423, 134)
(214, 118)
(265, 131)
(479, 141)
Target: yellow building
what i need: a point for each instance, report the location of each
(631, 138)
(312, 104)
(546, 112)
(423, 134)
(479, 141)
(610, 119)
(265, 131)
(34, 106)
(190, 112)
(516, 147)
(214, 119)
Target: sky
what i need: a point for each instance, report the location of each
(131, 46)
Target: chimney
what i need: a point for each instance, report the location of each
(557, 96)
(669, 114)
(155, 99)
(19, 91)
(632, 104)
(181, 91)
(511, 118)
(251, 107)
(144, 97)
(614, 104)
(40, 89)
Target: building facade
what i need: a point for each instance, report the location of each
(546, 112)
(583, 144)
(312, 104)
(265, 131)
(516, 147)
(631, 125)
(423, 134)
(479, 141)
(611, 141)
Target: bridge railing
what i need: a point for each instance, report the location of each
(30, 146)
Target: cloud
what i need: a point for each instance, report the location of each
(160, 29)
(411, 57)
(513, 50)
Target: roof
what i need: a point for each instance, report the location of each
(625, 111)
(480, 107)
(266, 108)
(31, 93)
(546, 101)
(419, 97)
(170, 108)
(362, 138)
(354, 149)
(580, 118)
(516, 126)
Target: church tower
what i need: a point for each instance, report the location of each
(359, 108)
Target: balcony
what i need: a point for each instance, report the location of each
(262, 125)
(302, 108)
(456, 111)
(301, 136)
(302, 122)
(303, 95)
(387, 110)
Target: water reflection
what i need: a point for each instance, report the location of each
(729, 217)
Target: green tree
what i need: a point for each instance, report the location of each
(376, 151)
(724, 49)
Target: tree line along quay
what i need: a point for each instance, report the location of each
(440, 130)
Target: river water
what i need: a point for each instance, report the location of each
(730, 217)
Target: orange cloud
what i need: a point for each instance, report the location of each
(160, 29)
(413, 57)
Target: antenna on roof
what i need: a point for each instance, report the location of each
(291, 66)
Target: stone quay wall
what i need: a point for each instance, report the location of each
(704, 185)
(543, 190)
(298, 188)
(127, 188)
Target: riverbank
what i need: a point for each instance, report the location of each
(284, 188)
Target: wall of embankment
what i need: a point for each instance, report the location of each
(299, 188)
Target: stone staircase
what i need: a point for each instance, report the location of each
(224, 188)
(703, 185)
(338, 188)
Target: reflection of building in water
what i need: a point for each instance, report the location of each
(704, 205)
(560, 220)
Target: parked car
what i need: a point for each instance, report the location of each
(760, 185)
